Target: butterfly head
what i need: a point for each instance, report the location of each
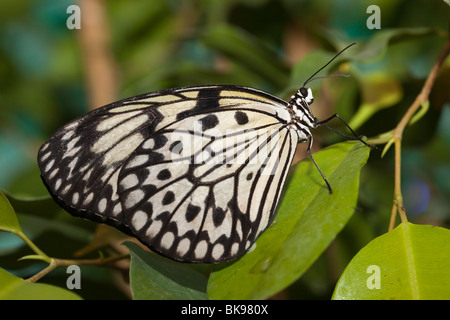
(306, 94)
(302, 98)
(299, 106)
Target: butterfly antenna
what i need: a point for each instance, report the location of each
(329, 76)
(311, 78)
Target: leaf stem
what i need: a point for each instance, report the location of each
(28, 242)
(421, 101)
(33, 246)
(55, 262)
(52, 266)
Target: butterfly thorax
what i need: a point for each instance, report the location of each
(302, 118)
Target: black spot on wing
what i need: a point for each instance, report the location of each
(164, 174)
(218, 216)
(241, 117)
(160, 141)
(207, 98)
(169, 197)
(176, 147)
(209, 122)
(154, 157)
(192, 212)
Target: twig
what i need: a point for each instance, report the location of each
(52, 266)
(397, 134)
(55, 263)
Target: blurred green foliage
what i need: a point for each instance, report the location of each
(257, 43)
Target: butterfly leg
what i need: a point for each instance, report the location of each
(354, 137)
(310, 140)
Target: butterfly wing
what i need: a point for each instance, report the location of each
(194, 173)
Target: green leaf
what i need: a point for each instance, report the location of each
(379, 91)
(44, 205)
(153, 277)
(8, 218)
(14, 288)
(34, 257)
(410, 262)
(247, 50)
(378, 43)
(40, 216)
(307, 221)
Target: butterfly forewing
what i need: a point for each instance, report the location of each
(193, 173)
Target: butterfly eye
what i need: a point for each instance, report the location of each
(303, 91)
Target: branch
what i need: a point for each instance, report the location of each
(55, 263)
(397, 133)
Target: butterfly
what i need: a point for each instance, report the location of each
(195, 173)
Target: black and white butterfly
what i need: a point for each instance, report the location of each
(194, 173)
